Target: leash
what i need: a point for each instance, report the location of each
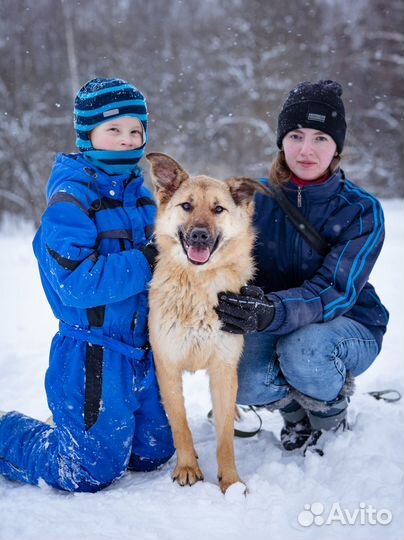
(245, 434)
(241, 432)
(389, 395)
(300, 223)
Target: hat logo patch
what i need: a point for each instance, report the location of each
(112, 112)
(316, 117)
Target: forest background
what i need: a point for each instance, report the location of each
(215, 74)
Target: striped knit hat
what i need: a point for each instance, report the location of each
(100, 100)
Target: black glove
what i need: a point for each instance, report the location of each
(150, 251)
(246, 312)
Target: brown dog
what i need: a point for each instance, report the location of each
(205, 239)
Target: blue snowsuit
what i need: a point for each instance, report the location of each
(101, 384)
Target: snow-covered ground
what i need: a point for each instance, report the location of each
(360, 477)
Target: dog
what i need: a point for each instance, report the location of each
(205, 238)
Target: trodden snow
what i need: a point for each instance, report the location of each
(355, 490)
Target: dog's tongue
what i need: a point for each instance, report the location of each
(199, 255)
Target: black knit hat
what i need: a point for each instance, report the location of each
(317, 106)
(101, 100)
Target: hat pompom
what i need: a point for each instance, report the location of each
(331, 86)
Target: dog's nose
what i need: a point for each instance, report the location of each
(199, 235)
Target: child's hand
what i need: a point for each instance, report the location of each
(150, 251)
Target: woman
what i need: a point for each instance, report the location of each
(311, 321)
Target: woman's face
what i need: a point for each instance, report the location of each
(308, 153)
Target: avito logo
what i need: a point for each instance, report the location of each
(364, 514)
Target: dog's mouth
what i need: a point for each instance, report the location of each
(198, 250)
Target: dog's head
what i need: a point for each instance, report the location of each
(198, 215)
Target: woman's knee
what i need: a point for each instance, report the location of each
(309, 364)
(303, 350)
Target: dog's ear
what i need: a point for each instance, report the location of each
(167, 174)
(242, 189)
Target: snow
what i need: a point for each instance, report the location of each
(359, 479)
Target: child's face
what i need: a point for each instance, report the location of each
(124, 133)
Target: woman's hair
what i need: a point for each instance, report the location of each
(280, 173)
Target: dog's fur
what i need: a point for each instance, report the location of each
(205, 239)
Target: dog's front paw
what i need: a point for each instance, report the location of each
(187, 475)
(236, 492)
(227, 480)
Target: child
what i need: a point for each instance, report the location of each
(95, 266)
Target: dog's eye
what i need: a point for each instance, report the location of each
(218, 209)
(186, 206)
